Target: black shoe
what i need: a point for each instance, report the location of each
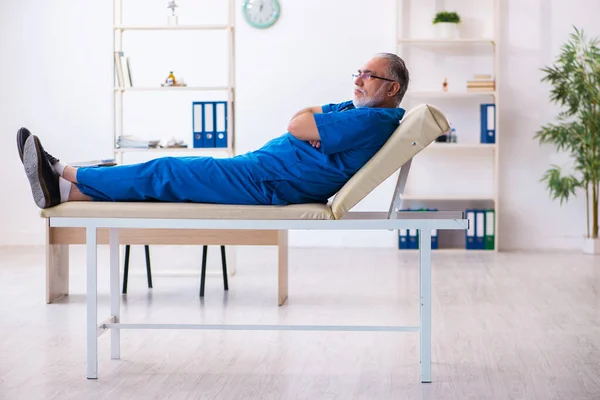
(42, 177)
(22, 136)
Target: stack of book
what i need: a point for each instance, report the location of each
(481, 83)
(128, 141)
(94, 163)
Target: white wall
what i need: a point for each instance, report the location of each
(56, 68)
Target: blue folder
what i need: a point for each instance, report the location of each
(413, 238)
(198, 123)
(434, 239)
(480, 229)
(403, 239)
(488, 123)
(470, 232)
(208, 121)
(221, 124)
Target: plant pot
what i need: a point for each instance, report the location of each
(446, 30)
(591, 246)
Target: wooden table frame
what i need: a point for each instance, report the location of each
(58, 240)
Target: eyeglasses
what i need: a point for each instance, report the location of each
(367, 76)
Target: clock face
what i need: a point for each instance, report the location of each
(261, 13)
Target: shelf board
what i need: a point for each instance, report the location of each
(448, 197)
(435, 42)
(451, 250)
(171, 27)
(170, 88)
(210, 150)
(450, 95)
(459, 146)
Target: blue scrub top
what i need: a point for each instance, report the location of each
(295, 172)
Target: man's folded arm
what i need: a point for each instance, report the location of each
(303, 125)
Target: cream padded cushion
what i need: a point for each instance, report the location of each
(93, 209)
(421, 126)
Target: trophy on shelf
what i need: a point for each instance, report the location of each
(172, 20)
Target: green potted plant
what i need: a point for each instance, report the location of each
(446, 24)
(575, 80)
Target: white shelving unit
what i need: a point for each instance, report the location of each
(448, 95)
(119, 28)
(443, 42)
(454, 171)
(460, 146)
(170, 88)
(170, 27)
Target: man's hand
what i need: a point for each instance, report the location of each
(303, 125)
(315, 143)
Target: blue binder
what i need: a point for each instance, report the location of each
(208, 120)
(434, 239)
(470, 232)
(403, 239)
(413, 239)
(479, 229)
(488, 123)
(221, 124)
(198, 124)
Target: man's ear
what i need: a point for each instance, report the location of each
(394, 88)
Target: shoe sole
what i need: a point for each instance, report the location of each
(31, 161)
(22, 132)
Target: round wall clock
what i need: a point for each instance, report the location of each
(261, 13)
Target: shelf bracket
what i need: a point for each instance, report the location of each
(399, 190)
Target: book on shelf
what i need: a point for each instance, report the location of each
(481, 83)
(123, 69)
(109, 162)
(129, 141)
(133, 142)
(481, 89)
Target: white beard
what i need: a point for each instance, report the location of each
(372, 101)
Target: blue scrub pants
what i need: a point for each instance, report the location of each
(235, 180)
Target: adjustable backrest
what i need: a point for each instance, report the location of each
(418, 128)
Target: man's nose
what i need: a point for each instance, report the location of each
(358, 81)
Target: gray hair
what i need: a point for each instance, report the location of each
(397, 70)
